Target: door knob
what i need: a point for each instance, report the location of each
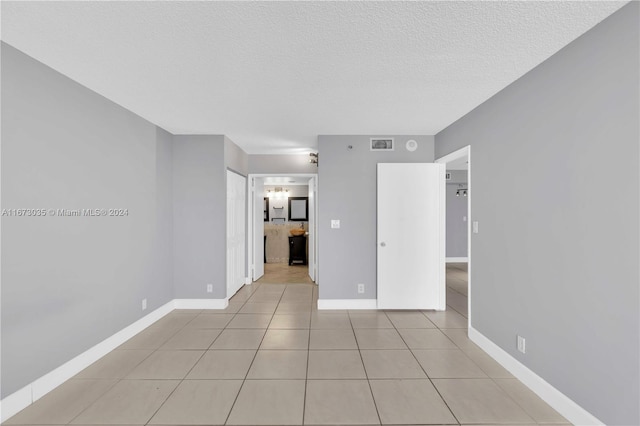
(383, 244)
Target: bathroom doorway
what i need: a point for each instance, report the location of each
(282, 234)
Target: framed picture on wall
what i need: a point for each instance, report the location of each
(299, 209)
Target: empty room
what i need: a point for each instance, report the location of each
(319, 213)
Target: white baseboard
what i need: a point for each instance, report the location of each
(347, 304)
(200, 303)
(19, 400)
(552, 396)
(457, 260)
(247, 280)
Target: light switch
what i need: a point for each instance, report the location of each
(335, 224)
(464, 218)
(475, 226)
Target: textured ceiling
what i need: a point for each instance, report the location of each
(274, 75)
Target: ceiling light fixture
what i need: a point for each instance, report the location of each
(314, 158)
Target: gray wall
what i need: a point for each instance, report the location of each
(199, 213)
(70, 282)
(457, 227)
(556, 259)
(235, 158)
(281, 164)
(347, 191)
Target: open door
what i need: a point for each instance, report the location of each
(236, 221)
(411, 236)
(258, 227)
(312, 228)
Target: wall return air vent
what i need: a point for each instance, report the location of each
(381, 144)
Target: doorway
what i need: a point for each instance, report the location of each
(459, 227)
(282, 232)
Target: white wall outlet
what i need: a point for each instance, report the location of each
(335, 224)
(144, 304)
(360, 288)
(521, 344)
(209, 288)
(475, 226)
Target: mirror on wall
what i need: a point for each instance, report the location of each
(299, 209)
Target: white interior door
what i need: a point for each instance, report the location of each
(312, 228)
(236, 219)
(411, 236)
(258, 228)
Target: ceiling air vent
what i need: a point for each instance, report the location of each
(381, 144)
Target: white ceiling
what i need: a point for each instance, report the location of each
(274, 75)
(459, 164)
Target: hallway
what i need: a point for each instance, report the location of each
(458, 288)
(271, 358)
(282, 273)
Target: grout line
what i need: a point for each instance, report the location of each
(366, 375)
(422, 368)
(254, 355)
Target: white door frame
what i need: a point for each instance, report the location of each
(250, 213)
(455, 155)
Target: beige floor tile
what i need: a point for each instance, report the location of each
(279, 364)
(266, 298)
(330, 321)
(258, 308)
(128, 402)
(151, 338)
(460, 338)
(210, 321)
(276, 273)
(198, 402)
(480, 401)
(332, 339)
(410, 401)
(457, 302)
(447, 319)
(285, 339)
(342, 364)
(391, 364)
(447, 364)
(488, 364)
(370, 320)
(379, 339)
(223, 364)
(115, 365)
(166, 365)
(64, 403)
(238, 339)
(290, 321)
(231, 309)
(339, 402)
(293, 308)
(176, 319)
(539, 410)
(410, 319)
(426, 339)
(250, 321)
(192, 338)
(269, 402)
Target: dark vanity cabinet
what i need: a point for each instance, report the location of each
(298, 249)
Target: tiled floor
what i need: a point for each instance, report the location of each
(272, 358)
(282, 273)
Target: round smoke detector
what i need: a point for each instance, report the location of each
(412, 145)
